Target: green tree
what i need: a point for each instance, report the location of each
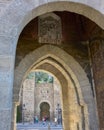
(42, 77)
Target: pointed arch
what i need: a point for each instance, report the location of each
(85, 8)
(67, 70)
(31, 9)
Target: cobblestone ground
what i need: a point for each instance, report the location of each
(39, 126)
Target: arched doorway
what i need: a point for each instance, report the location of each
(44, 111)
(39, 89)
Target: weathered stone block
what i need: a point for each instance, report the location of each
(5, 96)
(5, 119)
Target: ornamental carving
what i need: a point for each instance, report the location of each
(49, 30)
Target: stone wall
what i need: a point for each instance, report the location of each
(97, 55)
(44, 93)
(34, 95)
(28, 100)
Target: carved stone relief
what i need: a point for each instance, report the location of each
(49, 29)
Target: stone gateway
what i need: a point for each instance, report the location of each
(64, 38)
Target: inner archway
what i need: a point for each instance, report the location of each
(44, 111)
(70, 81)
(38, 87)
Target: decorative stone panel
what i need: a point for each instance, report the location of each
(50, 29)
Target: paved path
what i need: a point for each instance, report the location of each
(39, 126)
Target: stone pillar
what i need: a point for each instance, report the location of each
(28, 100)
(65, 119)
(14, 115)
(8, 41)
(51, 115)
(6, 85)
(97, 56)
(65, 109)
